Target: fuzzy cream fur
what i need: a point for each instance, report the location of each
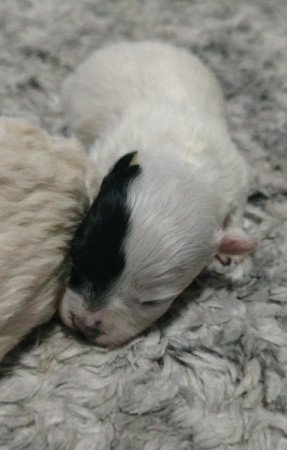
(42, 198)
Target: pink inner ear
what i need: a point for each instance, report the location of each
(236, 242)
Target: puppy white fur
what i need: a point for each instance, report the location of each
(183, 206)
(43, 196)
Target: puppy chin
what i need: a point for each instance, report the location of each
(115, 331)
(119, 330)
(109, 340)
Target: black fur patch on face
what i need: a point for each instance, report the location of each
(96, 249)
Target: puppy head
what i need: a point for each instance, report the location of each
(148, 234)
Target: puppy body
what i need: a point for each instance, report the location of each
(164, 103)
(43, 196)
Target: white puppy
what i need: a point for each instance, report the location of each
(174, 196)
(43, 198)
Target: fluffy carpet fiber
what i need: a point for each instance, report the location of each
(212, 373)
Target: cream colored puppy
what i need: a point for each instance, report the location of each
(43, 196)
(173, 191)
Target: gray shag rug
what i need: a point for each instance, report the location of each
(212, 373)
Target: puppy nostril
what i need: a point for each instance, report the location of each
(80, 325)
(94, 328)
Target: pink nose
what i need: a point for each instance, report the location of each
(86, 329)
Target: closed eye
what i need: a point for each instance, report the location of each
(148, 304)
(153, 303)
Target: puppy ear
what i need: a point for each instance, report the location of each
(123, 163)
(234, 242)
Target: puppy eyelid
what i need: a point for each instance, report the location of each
(153, 302)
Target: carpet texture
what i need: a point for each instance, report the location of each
(212, 373)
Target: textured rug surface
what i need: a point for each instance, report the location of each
(212, 373)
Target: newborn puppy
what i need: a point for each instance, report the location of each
(43, 198)
(173, 186)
